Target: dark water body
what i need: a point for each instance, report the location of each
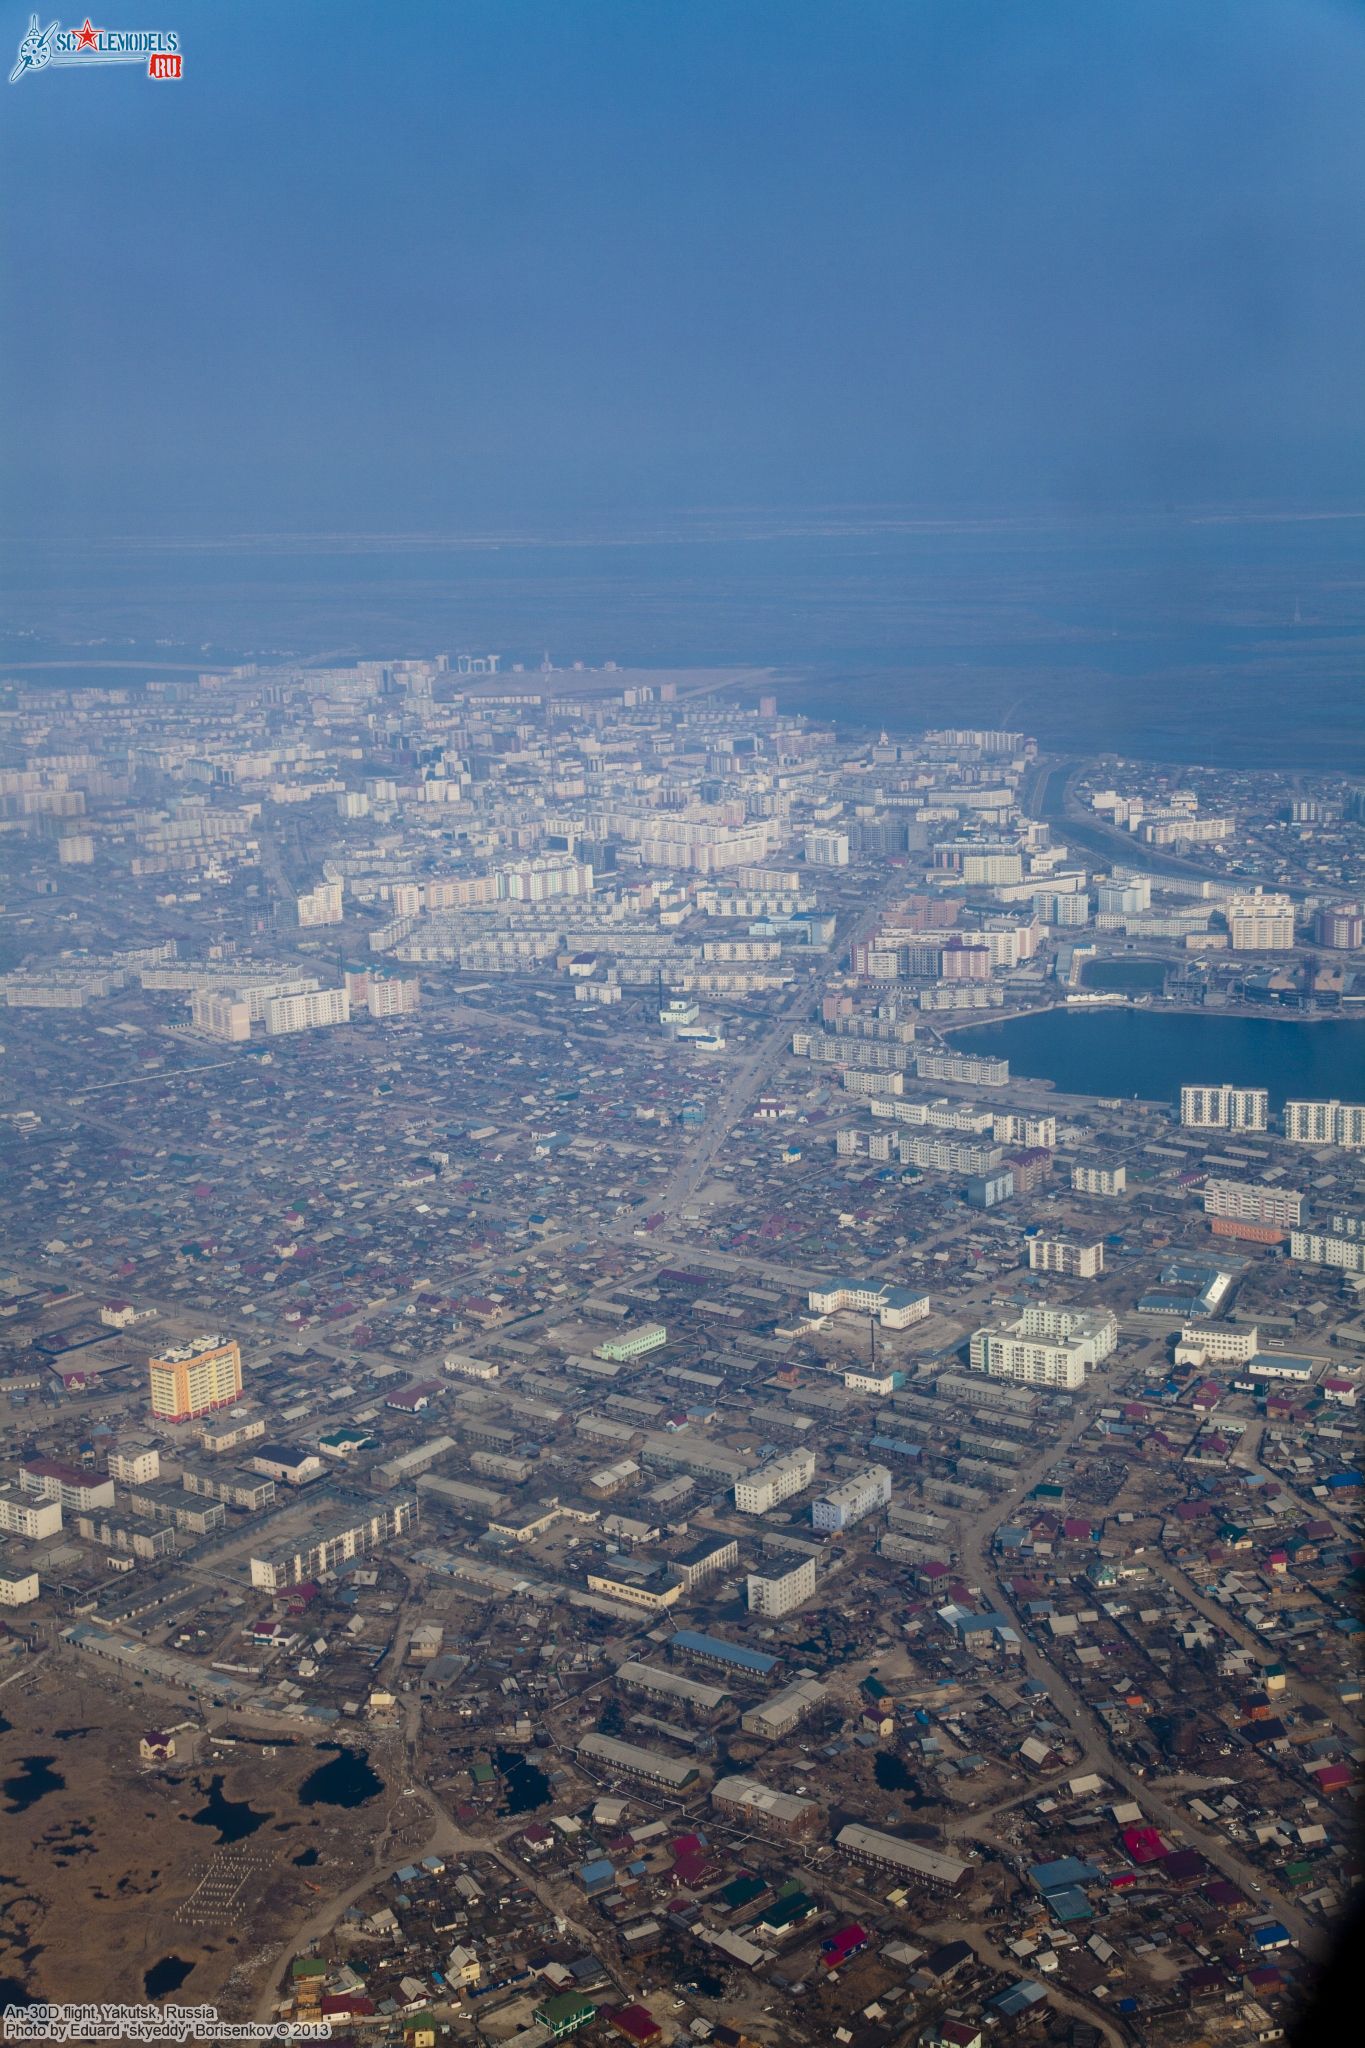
(31, 1784)
(233, 1818)
(166, 1976)
(346, 1781)
(890, 1772)
(1135, 633)
(1123, 975)
(1152, 1054)
(527, 1785)
(306, 1860)
(13, 1992)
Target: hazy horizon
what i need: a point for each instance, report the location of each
(497, 267)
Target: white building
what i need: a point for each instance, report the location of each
(1223, 1107)
(1326, 1123)
(1258, 923)
(221, 1013)
(1345, 1253)
(1090, 1178)
(322, 905)
(308, 1012)
(827, 849)
(778, 1593)
(1045, 1347)
(30, 1515)
(18, 1579)
(853, 1499)
(1065, 1255)
(774, 1482)
(1250, 1202)
(895, 1308)
(1201, 1342)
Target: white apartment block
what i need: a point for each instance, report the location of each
(1010, 1127)
(1088, 1178)
(309, 1012)
(774, 1482)
(1346, 1253)
(1201, 1341)
(322, 905)
(1045, 1347)
(827, 849)
(220, 1014)
(1326, 1123)
(18, 1580)
(1249, 1202)
(853, 1499)
(1260, 923)
(1065, 1255)
(1223, 1107)
(392, 996)
(30, 1515)
(777, 1594)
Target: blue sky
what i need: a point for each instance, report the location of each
(407, 267)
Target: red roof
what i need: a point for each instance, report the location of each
(636, 2022)
(1144, 1845)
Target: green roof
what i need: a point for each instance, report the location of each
(307, 1966)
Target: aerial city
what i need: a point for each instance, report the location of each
(682, 1314)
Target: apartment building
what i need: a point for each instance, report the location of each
(1067, 1255)
(1089, 1177)
(1045, 1347)
(774, 1482)
(310, 1012)
(1221, 1106)
(330, 1543)
(777, 1593)
(853, 1499)
(195, 1378)
(1326, 1123)
(1250, 1202)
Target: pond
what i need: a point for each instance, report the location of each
(166, 1976)
(233, 1818)
(346, 1781)
(31, 1784)
(527, 1785)
(1124, 975)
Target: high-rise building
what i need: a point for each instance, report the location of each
(1341, 926)
(827, 849)
(307, 1012)
(1326, 1123)
(1223, 1107)
(322, 905)
(1259, 922)
(221, 1013)
(195, 1378)
(777, 1593)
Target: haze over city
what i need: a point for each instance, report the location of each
(682, 1021)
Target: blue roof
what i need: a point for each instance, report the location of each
(1066, 1870)
(730, 1653)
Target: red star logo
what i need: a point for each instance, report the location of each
(88, 39)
